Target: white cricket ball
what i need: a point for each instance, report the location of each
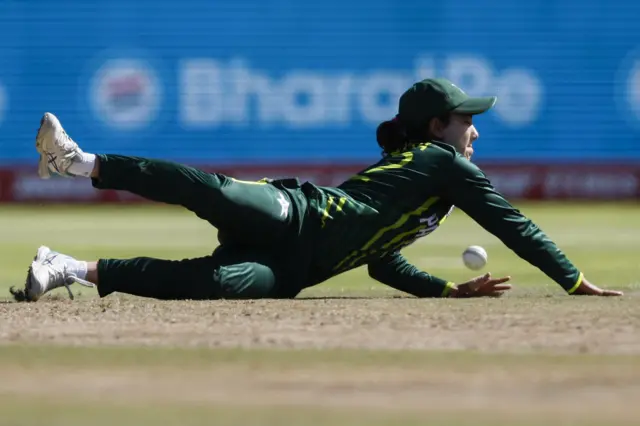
(475, 257)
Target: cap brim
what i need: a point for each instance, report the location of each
(475, 105)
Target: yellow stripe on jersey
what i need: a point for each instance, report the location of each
(401, 221)
(408, 157)
(421, 146)
(398, 238)
(339, 206)
(250, 182)
(362, 256)
(325, 213)
(345, 260)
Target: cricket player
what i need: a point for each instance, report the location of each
(278, 237)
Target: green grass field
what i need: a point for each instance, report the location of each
(601, 239)
(349, 353)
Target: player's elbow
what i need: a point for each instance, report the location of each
(371, 269)
(376, 272)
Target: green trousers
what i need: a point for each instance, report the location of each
(256, 223)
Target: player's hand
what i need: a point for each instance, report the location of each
(483, 286)
(588, 289)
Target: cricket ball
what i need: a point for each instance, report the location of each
(474, 257)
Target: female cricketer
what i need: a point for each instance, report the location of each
(278, 237)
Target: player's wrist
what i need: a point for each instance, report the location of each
(450, 290)
(576, 285)
(460, 291)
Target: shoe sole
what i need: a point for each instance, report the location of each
(33, 285)
(43, 162)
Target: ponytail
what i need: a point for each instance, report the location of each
(391, 136)
(394, 136)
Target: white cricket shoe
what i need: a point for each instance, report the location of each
(50, 270)
(57, 150)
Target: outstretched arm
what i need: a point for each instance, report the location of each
(470, 190)
(394, 271)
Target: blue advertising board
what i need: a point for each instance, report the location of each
(285, 81)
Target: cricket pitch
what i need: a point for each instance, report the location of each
(349, 352)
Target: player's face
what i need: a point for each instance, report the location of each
(460, 133)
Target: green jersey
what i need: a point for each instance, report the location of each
(371, 217)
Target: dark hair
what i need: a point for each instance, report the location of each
(394, 136)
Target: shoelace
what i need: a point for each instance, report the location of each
(57, 274)
(71, 279)
(67, 144)
(71, 150)
(61, 275)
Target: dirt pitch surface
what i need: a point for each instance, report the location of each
(530, 389)
(511, 324)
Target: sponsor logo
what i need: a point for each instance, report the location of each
(513, 184)
(603, 184)
(567, 182)
(627, 88)
(125, 94)
(214, 93)
(28, 187)
(633, 89)
(3, 102)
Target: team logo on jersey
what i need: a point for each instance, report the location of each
(429, 224)
(284, 205)
(125, 94)
(432, 223)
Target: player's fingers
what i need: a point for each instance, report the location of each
(479, 282)
(482, 278)
(611, 293)
(500, 280)
(491, 283)
(502, 287)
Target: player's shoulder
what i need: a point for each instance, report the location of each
(434, 147)
(434, 151)
(442, 147)
(466, 168)
(458, 162)
(441, 154)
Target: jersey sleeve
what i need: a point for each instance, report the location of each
(468, 188)
(395, 271)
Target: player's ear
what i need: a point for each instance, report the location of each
(436, 126)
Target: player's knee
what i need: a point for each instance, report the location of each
(246, 281)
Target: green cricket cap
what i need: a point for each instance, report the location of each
(433, 97)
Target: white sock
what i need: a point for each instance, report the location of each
(84, 165)
(77, 268)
